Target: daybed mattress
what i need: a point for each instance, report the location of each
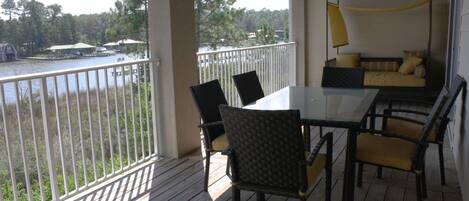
(392, 79)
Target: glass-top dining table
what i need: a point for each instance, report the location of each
(328, 107)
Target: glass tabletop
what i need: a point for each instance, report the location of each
(321, 104)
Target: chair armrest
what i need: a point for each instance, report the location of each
(405, 119)
(397, 117)
(389, 111)
(227, 151)
(389, 134)
(427, 103)
(215, 123)
(326, 138)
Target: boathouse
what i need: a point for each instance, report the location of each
(7, 52)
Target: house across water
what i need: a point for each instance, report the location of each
(7, 52)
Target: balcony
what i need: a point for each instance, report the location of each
(91, 134)
(70, 132)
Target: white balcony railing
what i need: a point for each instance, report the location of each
(66, 131)
(274, 64)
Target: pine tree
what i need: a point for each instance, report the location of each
(10, 9)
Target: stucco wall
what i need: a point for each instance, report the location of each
(461, 129)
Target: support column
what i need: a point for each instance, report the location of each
(297, 18)
(316, 40)
(172, 40)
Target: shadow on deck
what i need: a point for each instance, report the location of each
(182, 179)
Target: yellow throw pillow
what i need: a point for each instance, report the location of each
(348, 60)
(419, 71)
(418, 53)
(408, 67)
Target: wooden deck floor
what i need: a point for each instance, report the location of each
(182, 179)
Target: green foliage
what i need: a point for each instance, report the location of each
(252, 19)
(128, 20)
(142, 131)
(217, 23)
(9, 7)
(265, 35)
(33, 27)
(92, 28)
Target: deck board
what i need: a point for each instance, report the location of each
(182, 179)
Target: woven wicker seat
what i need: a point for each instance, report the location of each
(266, 153)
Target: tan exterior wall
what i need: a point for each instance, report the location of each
(461, 129)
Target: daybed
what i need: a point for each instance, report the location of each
(383, 73)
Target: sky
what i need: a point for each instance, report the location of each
(77, 7)
(260, 4)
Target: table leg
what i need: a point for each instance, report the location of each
(348, 193)
(307, 138)
(372, 118)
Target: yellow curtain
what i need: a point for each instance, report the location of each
(337, 25)
(402, 7)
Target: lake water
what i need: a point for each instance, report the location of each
(28, 66)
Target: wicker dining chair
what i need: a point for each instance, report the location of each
(340, 77)
(267, 155)
(410, 127)
(249, 87)
(208, 97)
(399, 152)
(337, 77)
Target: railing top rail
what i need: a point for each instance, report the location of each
(72, 70)
(246, 48)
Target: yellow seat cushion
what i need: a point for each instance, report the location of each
(385, 151)
(409, 65)
(315, 169)
(220, 143)
(409, 129)
(392, 79)
(350, 60)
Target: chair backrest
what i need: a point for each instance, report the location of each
(458, 85)
(249, 87)
(267, 147)
(343, 77)
(208, 97)
(429, 123)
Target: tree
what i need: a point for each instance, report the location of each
(2, 29)
(32, 18)
(265, 35)
(216, 22)
(128, 19)
(92, 28)
(9, 7)
(53, 11)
